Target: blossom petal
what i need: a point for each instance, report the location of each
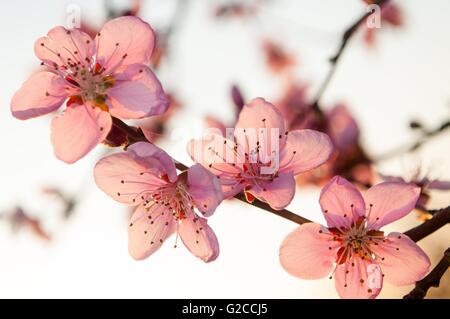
(199, 238)
(390, 201)
(158, 161)
(277, 193)
(124, 41)
(305, 253)
(215, 123)
(78, 130)
(358, 279)
(402, 261)
(126, 177)
(305, 150)
(62, 47)
(148, 229)
(342, 127)
(137, 94)
(260, 125)
(259, 113)
(205, 189)
(42, 93)
(217, 154)
(342, 204)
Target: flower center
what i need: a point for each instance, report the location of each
(356, 240)
(92, 86)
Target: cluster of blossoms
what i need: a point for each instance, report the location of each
(108, 77)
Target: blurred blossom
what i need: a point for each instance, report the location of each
(237, 97)
(277, 59)
(156, 126)
(68, 203)
(133, 9)
(238, 101)
(19, 220)
(348, 159)
(160, 51)
(296, 108)
(420, 179)
(391, 15)
(236, 9)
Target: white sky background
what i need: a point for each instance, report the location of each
(407, 76)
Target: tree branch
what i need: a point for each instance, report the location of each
(336, 57)
(432, 279)
(427, 135)
(439, 219)
(135, 135)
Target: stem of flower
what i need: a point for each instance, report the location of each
(133, 134)
(426, 136)
(335, 58)
(432, 279)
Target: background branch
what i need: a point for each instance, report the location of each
(439, 219)
(426, 136)
(336, 57)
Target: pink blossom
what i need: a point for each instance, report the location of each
(260, 157)
(342, 127)
(99, 78)
(353, 249)
(296, 108)
(277, 59)
(391, 14)
(145, 176)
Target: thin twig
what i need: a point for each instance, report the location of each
(428, 227)
(432, 279)
(416, 145)
(335, 58)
